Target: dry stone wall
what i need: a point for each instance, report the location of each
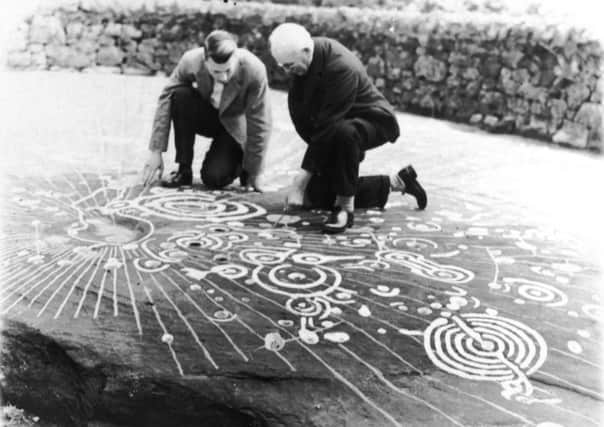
(531, 78)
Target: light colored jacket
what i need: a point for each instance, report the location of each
(244, 109)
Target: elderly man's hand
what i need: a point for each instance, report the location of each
(294, 197)
(153, 166)
(250, 182)
(254, 184)
(295, 193)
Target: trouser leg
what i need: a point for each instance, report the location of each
(345, 157)
(339, 175)
(191, 115)
(222, 163)
(371, 192)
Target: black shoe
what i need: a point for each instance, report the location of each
(177, 179)
(339, 221)
(412, 186)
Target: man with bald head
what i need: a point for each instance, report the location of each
(221, 92)
(340, 114)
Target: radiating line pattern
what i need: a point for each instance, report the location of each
(217, 280)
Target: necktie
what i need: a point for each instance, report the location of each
(216, 94)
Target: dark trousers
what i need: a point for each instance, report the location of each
(338, 172)
(191, 115)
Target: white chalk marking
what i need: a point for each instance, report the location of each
(396, 389)
(165, 331)
(208, 317)
(101, 290)
(131, 292)
(595, 393)
(77, 312)
(24, 294)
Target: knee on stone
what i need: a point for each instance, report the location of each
(215, 178)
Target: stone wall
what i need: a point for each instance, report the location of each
(531, 78)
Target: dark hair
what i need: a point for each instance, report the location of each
(220, 45)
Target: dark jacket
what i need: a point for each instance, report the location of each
(336, 87)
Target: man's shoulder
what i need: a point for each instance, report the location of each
(249, 58)
(327, 43)
(251, 62)
(337, 56)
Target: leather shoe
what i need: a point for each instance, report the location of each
(178, 179)
(413, 187)
(339, 221)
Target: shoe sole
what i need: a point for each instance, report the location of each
(328, 230)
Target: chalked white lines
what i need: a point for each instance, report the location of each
(226, 268)
(486, 347)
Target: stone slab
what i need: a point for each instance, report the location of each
(166, 307)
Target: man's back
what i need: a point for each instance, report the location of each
(335, 87)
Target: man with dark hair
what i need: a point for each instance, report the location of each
(340, 114)
(218, 91)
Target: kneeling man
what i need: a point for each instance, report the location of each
(340, 114)
(221, 92)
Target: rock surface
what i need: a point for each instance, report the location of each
(185, 307)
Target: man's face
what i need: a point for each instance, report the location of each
(294, 63)
(222, 72)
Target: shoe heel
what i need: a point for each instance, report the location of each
(411, 171)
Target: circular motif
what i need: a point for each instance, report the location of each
(273, 341)
(187, 206)
(421, 266)
(481, 347)
(118, 205)
(263, 256)
(230, 271)
(308, 307)
(224, 316)
(288, 279)
(538, 292)
(574, 347)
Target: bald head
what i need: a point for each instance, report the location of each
(292, 47)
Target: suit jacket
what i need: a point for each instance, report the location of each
(244, 109)
(336, 87)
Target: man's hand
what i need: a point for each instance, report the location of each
(295, 193)
(294, 197)
(250, 182)
(153, 166)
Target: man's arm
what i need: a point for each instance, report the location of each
(341, 85)
(182, 75)
(341, 90)
(258, 123)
